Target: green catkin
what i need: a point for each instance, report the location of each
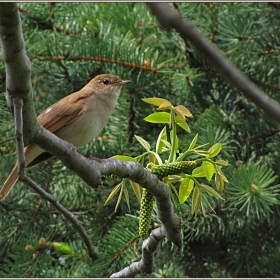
(147, 200)
(146, 209)
(173, 168)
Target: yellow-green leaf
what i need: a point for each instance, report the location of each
(211, 191)
(219, 170)
(143, 142)
(160, 143)
(62, 247)
(203, 197)
(155, 101)
(180, 114)
(165, 105)
(137, 190)
(160, 117)
(198, 172)
(202, 207)
(193, 142)
(185, 189)
(219, 181)
(113, 192)
(222, 162)
(214, 150)
(119, 199)
(126, 195)
(174, 141)
(209, 170)
(173, 178)
(196, 200)
(182, 124)
(124, 158)
(184, 111)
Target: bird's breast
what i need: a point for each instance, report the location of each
(88, 125)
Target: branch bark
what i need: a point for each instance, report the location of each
(146, 263)
(171, 19)
(18, 68)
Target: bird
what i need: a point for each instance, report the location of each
(77, 118)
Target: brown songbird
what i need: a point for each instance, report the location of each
(77, 118)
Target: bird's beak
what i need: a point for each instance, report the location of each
(124, 82)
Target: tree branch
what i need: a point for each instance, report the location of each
(146, 263)
(18, 69)
(171, 18)
(67, 214)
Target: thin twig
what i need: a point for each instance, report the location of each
(67, 214)
(18, 104)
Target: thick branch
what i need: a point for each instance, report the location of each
(18, 72)
(170, 18)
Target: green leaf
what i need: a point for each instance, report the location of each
(62, 247)
(143, 142)
(196, 199)
(206, 200)
(211, 191)
(182, 124)
(119, 198)
(137, 189)
(126, 195)
(155, 101)
(192, 145)
(160, 117)
(156, 156)
(161, 144)
(113, 192)
(219, 181)
(208, 169)
(222, 162)
(198, 172)
(214, 150)
(124, 158)
(175, 143)
(167, 144)
(220, 172)
(185, 189)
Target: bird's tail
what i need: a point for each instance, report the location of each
(9, 183)
(31, 152)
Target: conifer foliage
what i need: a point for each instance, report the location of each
(229, 206)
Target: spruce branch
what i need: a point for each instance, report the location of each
(171, 19)
(100, 59)
(146, 263)
(46, 24)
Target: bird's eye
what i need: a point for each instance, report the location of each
(105, 82)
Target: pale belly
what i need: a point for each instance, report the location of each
(83, 130)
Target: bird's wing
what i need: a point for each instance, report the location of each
(63, 112)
